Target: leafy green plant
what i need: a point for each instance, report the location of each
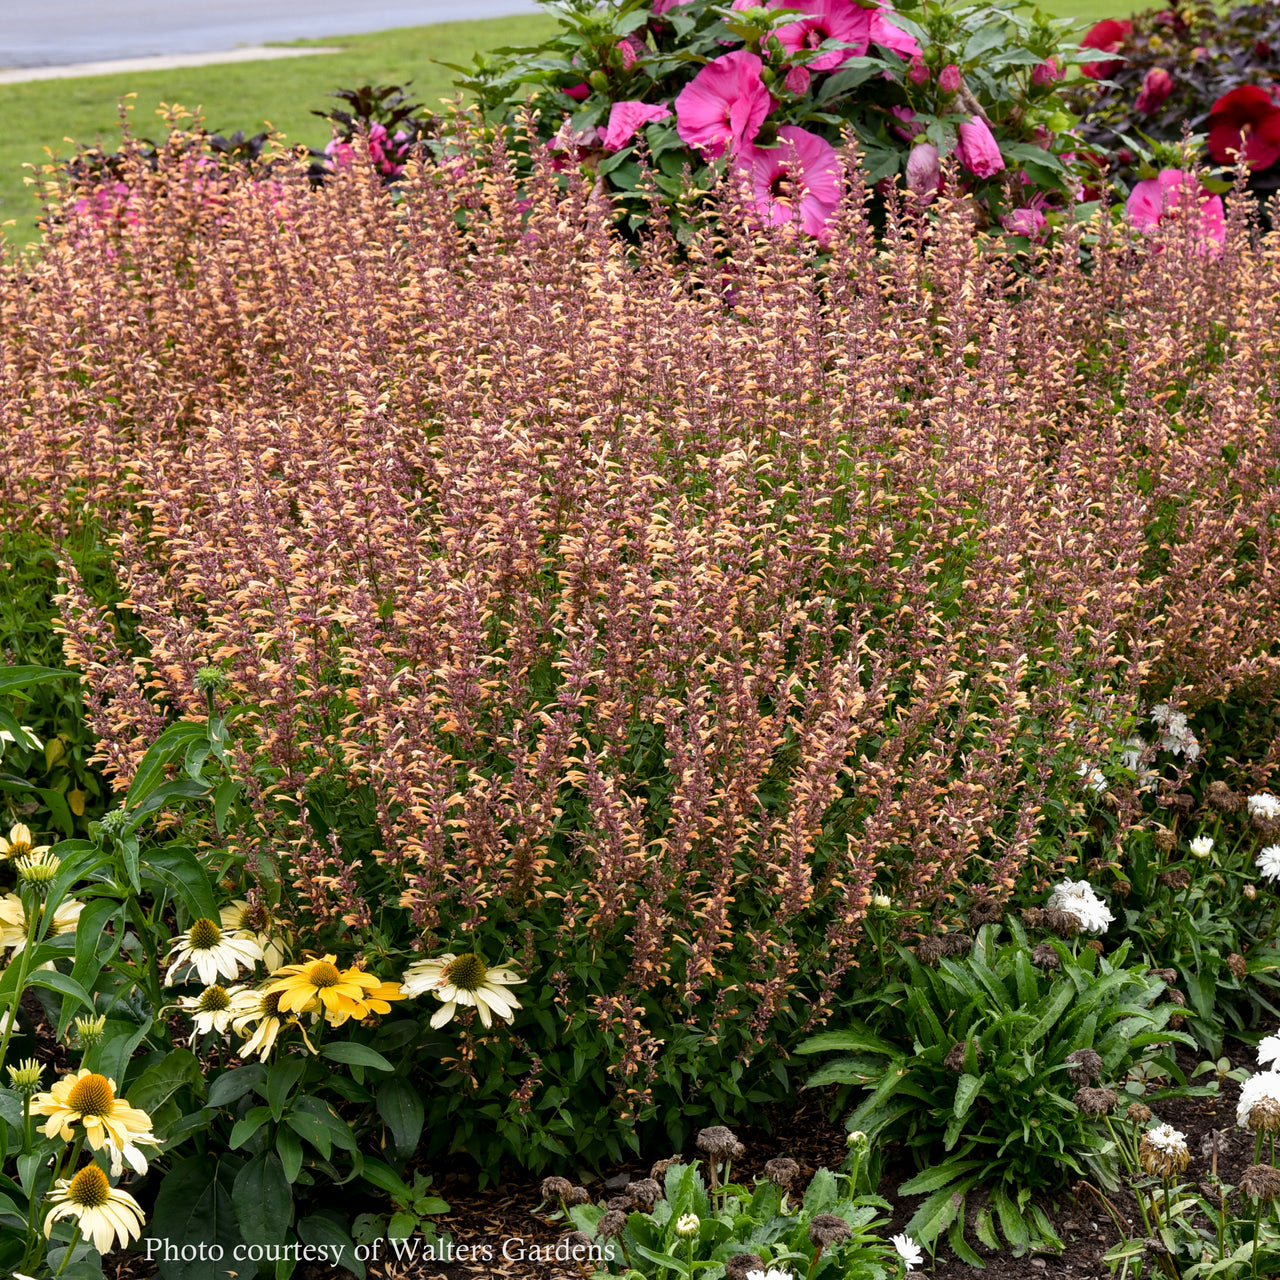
(969, 1064)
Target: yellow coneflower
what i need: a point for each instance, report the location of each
(20, 842)
(104, 1213)
(465, 980)
(319, 985)
(259, 1010)
(89, 1099)
(14, 922)
(243, 920)
(213, 953)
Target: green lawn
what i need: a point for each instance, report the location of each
(44, 114)
(41, 115)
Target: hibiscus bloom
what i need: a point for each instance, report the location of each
(924, 172)
(977, 150)
(797, 181)
(1249, 111)
(1157, 85)
(625, 118)
(1161, 199)
(842, 20)
(1027, 221)
(1107, 37)
(722, 108)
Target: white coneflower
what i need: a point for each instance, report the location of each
(1264, 806)
(212, 1010)
(1259, 1105)
(1093, 777)
(464, 980)
(910, 1252)
(1268, 1049)
(104, 1214)
(242, 920)
(687, 1225)
(20, 843)
(38, 868)
(14, 922)
(259, 1010)
(213, 954)
(1077, 898)
(1163, 1151)
(881, 902)
(1202, 846)
(1269, 862)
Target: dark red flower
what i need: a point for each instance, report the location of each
(1106, 36)
(1246, 112)
(1156, 87)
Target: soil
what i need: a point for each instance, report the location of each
(809, 1135)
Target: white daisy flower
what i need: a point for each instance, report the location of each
(1202, 846)
(213, 953)
(1077, 898)
(465, 980)
(1093, 777)
(1269, 1049)
(1177, 736)
(910, 1252)
(1269, 862)
(1265, 806)
(1263, 1087)
(774, 1273)
(212, 1010)
(1131, 756)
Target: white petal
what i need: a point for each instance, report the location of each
(443, 1014)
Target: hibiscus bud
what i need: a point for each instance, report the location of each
(949, 78)
(797, 80)
(918, 73)
(627, 54)
(598, 81)
(1156, 87)
(1047, 72)
(768, 74)
(924, 171)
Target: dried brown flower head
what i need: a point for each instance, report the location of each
(1250, 891)
(577, 1244)
(985, 910)
(1084, 1065)
(576, 1196)
(1138, 1113)
(1261, 1182)
(781, 1170)
(1264, 1116)
(612, 1225)
(659, 1171)
(645, 1193)
(1096, 1102)
(1063, 923)
(1164, 840)
(826, 1229)
(956, 944)
(954, 1061)
(1238, 966)
(1095, 945)
(623, 1203)
(1162, 1151)
(1046, 956)
(737, 1266)
(554, 1188)
(719, 1143)
(1175, 878)
(930, 950)
(1165, 975)
(1032, 917)
(1222, 798)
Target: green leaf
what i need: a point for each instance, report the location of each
(179, 868)
(290, 1152)
(110, 1056)
(171, 744)
(159, 1082)
(985, 38)
(937, 1177)
(959, 1245)
(385, 1178)
(13, 679)
(852, 1041)
(822, 1192)
(354, 1053)
(195, 1206)
(223, 799)
(400, 1106)
(338, 1130)
(245, 1128)
(232, 1085)
(967, 1089)
(263, 1200)
(1011, 1222)
(280, 1081)
(323, 1232)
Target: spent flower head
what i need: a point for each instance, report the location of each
(1259, 1106)
(1077, 898)
(1162, 1151)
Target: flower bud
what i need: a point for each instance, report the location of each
(25, 1077)
(857, 1141)
(918, 72)
(949, 78)
(797, 80)
(687, 1225)
(598, 81)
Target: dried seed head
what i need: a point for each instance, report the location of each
(1095, 945)
(1165, 975)
(619, 1202)
(930, 950)
(740, 1265)
(1238, 966)
(719, 1143)
(1222, 798)
(1032, 917)
(1096, 1102)
(1173, 996)
(1155, 1247)
(1264, 1116)
(556, 1188)
(1162, 1151)
(826, 1229)
(956, 944)
(1063, 923)
(1138, 1113)
(1261, 1182)
(612, 1225)
(781, 1170)
(985, 910)
(577, 1244)
(1163, 840)
(659, 1171)
(645, 1193)
(1175, 878)
(577, 1195)
(1046, 956)
(1250, 891)
(1084, 1066)
(954, 1061)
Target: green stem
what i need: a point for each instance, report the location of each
(24, 966)
(142, 926)
(66, 1257)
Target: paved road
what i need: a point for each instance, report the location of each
(36, 33)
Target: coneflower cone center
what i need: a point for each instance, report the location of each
(467, 972)
(323, 974)
(257, 918)
(271, 1002)
(204, 935)
(89, 1188)
(214, 999)
(92, 1095)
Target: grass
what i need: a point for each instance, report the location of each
(45, 115)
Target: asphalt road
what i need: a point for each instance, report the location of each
(35, 33)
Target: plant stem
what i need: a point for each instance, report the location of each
(24, 965)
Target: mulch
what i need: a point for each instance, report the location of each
(505, 1233)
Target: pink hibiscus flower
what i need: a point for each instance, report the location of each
(722, 108)
(799, 180)
(892, 36)
(977, 150)
(625, 118)
(1169, 196)
(924, 172)
(842, 20)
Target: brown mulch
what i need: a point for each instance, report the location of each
(481, 1222)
